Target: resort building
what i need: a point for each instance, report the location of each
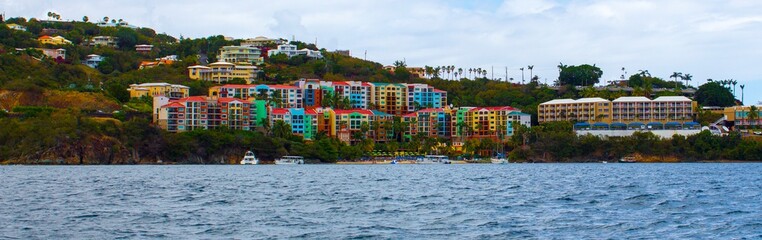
(93, 60)
(192, 113)
(424, 96)
(220, 72)
(584, 109)
(261, 41)
(172, 91)
(741, 118)
(241, 55)
(417, 72)
(105, 41)
(115, 24)
(57, 40)
(493, 122)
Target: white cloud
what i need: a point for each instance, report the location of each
(525, 7)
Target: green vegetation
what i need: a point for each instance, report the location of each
(58, 110)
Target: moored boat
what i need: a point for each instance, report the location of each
(290, 160)
(433, 159)
(628, 159)
(249, 158)
(499, 160)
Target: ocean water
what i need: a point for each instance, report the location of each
(477, 201)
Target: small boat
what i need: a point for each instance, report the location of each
(290, 160)
(604, 162)
(627, 159)
(433, 159)
(249, 158)
(394, 161)
(499, 160)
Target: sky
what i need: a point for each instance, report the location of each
(717, 39)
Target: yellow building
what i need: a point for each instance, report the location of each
(57, 40)
(222, 72)
(389, 97)
(636, 110)
(158, 89)
(583, 109)
(739, 115)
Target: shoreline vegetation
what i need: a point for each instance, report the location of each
(60, 111)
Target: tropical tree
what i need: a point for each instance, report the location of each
(105, 19)
(753, 115)
(687, 78)
(676, 75)
(582, 75)
(522, 75)
(742, 86)
(85, 19)
(530, 67)
(281, 129)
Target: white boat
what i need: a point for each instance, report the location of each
(249, 158)
(433, 159)
(627, 159)
(499, 160)
(290, 160)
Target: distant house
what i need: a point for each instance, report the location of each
(57, 40)
(143, 48)
(115, 24)
(290, 51)
(159, 61)
(107, 41)
(93, 60)
(342, 52)
(261, 42)
(54, 53)
(16, 27)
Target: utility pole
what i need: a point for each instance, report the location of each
(493, 73)
(506, 74)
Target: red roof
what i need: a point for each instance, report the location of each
(365, 84)
(173, 104)
(45, 37)
(310, 112)
(410, 115)
(193, 99)
(439, 91)
(360, 111)
(341, 83)
(279, 111)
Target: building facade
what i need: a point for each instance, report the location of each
(240, 55)
(172, 91)
(220, 72)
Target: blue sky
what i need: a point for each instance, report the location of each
(716, 39)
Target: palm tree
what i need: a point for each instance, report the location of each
(460, 72)
(85, 19)
(522, 75)
(734, 82)
(687, 77)
(105, 19)
(676, 75)
(281, 129)
(530, 67)
(742, 86)
(753, 115)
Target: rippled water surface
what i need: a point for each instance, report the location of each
(383, 201)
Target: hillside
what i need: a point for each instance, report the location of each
(53, 109)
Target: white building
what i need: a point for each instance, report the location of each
(240, 54)
(107, 41)
(93, 60)
(290, 51)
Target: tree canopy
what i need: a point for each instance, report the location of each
(713, 94)
(582, 75)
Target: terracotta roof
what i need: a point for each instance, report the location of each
(439, 91)
(282, 86)
(410, 115)
(45, 37)
(340, 83)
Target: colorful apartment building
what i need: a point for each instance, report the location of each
(220, 72)
(57, 40)
(493, 122)
(192, 113)
(241, 55)
(390, 98)
(424, 96)
(172, 91)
